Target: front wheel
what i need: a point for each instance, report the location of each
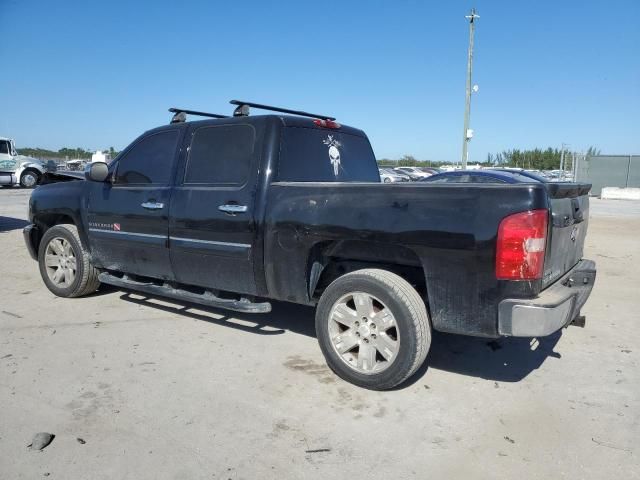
(64, 264)
(373, 328)
(29, 179)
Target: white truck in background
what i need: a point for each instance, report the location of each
(17, 169)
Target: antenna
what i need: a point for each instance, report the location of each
(243, 110)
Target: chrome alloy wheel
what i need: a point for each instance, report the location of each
(364, 333)
(60, 262)
(29, 180)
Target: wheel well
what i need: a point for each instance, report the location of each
(45, 222)
(329, 261)
(31, 169)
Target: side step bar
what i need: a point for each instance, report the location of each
(207, 298)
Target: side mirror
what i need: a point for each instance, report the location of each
(96, 172)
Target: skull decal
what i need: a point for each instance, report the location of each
(334, 153)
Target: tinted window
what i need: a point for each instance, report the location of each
(4, 147)
(149, 161)
(315, 155)
(221, 155)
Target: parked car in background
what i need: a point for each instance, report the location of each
(387, 175)
(403, 176)
(430, 170)
(413, 172)
(535, 174)
(548, 176)
(17, 169)
(483, 176)
(75, 165)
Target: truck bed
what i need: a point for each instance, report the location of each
(447, 230)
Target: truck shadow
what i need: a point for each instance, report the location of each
(507, 359)
(500, 360)
(282, 318)
(10, 223)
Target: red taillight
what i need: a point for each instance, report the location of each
(326, 123)
(522, 238)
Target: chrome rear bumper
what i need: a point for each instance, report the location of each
(553, 309)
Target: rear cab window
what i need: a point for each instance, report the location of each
(323, 155)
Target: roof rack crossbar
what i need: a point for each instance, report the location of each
(200, 114)
(281, 110)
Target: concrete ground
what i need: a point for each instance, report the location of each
(159, 390)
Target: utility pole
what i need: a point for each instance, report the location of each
(467, 110)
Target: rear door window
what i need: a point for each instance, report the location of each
(221, 155)
(315, 155)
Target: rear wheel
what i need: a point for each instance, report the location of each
(373, 328)
(64, 265)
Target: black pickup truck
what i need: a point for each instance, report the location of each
(233, 211)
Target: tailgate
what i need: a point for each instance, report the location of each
(569, 219)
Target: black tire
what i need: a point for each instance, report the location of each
(30, 173)
(411, 318)
(387, 180)
(86, 276)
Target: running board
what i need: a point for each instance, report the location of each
(207, 298)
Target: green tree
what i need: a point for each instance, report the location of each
(593, 151)
(408, 161)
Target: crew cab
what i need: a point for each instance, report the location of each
(234, 212)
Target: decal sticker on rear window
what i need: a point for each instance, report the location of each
(334, 153)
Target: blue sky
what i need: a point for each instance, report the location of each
(96, 74)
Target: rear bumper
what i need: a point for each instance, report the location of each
(29, 232)
(553, 309)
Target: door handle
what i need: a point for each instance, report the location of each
(153, 205)
(233, 209)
